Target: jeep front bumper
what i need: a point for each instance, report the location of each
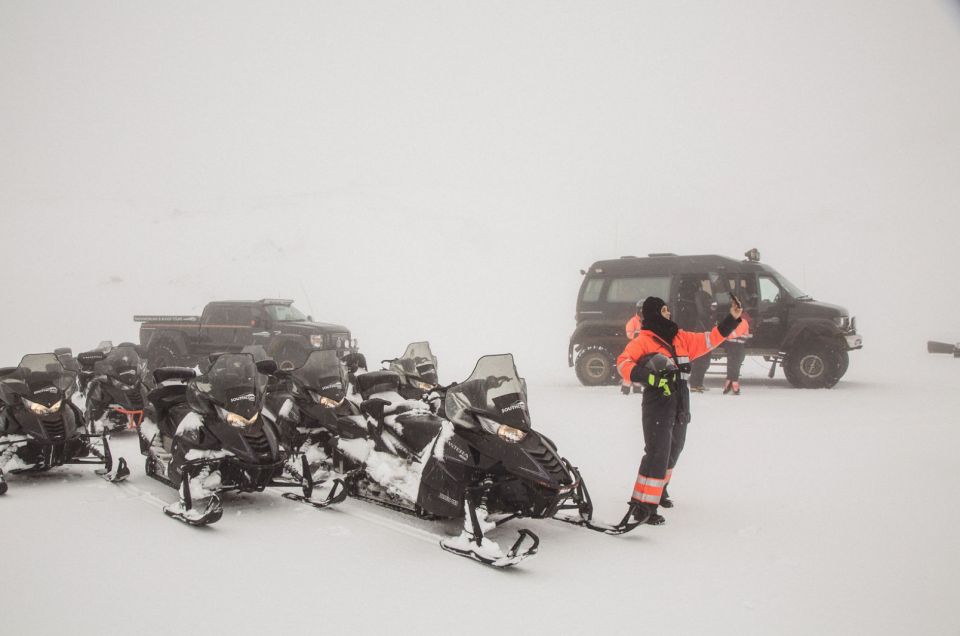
(854, 341)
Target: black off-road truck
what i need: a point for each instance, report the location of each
(229, 326)
(810, 340)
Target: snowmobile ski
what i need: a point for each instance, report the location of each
(337, 494)
(625, 525)
(192, 517)
(462, 546)
(122, 472)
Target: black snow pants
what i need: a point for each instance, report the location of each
(736, 352)
(665, 420)
(698, 369)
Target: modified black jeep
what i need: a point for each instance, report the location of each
(810, 340)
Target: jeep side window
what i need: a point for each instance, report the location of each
(591, 293)
(217, 316)
(630, 290)
(769, 290)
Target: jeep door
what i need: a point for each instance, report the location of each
(217, 333)
(770, 318)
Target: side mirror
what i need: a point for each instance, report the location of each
(88, 358)
(267, 367)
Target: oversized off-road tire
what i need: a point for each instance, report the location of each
(815, 365)
(596, 367)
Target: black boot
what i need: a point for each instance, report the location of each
(654, 519)
(640, 511)
(665, 500)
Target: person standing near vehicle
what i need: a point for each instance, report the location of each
(632, 330)
(660, 358)
(695, 312)
(735, 346)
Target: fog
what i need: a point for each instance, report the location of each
(442, 170)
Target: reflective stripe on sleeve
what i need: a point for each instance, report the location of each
(709, 344)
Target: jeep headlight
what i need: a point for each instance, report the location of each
(40, 409)
(316, 340)
(842, 322)
(234, 419)
(504, 432)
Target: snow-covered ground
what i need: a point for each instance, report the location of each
(797, 512)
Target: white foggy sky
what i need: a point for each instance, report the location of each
(442, 170)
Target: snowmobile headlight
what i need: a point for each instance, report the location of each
(510, 434)
(329, 402)
(236, 420)
(423, 386)
(40, 409)
(504, 432)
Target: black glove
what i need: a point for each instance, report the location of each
(727, 325)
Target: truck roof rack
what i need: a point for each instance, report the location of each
(275, 301)
(661, 254)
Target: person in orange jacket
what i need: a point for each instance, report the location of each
(659, 357)
(632, 330)
(735, 347)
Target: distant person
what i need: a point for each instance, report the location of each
(659, 358)
(735, 347)
(695, 313)
(632, 330)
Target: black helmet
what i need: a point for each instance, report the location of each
(657, 363)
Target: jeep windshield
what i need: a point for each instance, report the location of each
(493, 389)
(789, 287)
(284, 313)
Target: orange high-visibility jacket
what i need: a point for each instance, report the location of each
(687, 344)
(633, 327)
(742, 332)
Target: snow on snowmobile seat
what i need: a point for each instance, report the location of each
(419, 429)
(377, 382)
(180, 374)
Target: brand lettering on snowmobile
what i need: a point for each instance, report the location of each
(335, 385)
(513, 407)
(248, 397)
(449, 500)
(462, 454)
(47, 389)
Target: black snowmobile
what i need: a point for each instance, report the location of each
(209, 438)
(305, 403)
(114, 388)
(40, 428)
(484, 463)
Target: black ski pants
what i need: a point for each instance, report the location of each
(736, 352)
(664, 432)
(698, 369)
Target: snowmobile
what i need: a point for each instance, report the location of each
(114, 388)
(483, 463)
(203, 435)
(40, 428)
(305, 403)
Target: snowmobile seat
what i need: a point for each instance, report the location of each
(164, 374)
(377, 382)
(164, 398)
(419, 429)
(5, 371)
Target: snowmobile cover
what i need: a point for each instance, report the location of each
(495, 390)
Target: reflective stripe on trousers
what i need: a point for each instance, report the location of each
(648, 489)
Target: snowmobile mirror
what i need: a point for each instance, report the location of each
(267, 367)
(88, 358)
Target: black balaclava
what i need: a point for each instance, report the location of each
(654, 321)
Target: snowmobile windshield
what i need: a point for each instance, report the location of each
(323, 373)
(494, 390)
(43, 375)
(234, 383)
(285, 313)
(121, 364)
(418, 362)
